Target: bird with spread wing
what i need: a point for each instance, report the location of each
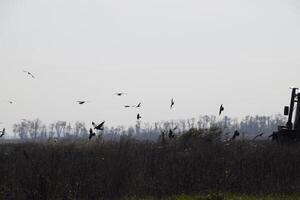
(98, 126)
(29, 73)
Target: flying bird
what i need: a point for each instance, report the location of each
(221, 109)
(172, 103)
(235, 134)
(120, 93)
(139, 105)
(259, 135)
(81, 102)
(92, 134)
(2, 133)
(171, 134)
(29, 73)
(99, 126)
(127, 106)
(138, 116)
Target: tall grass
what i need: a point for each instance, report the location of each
(107, 170)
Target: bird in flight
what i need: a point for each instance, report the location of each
(120, 93)
(99, 126)
(139, 105)
(171, 132)
(126, 106)
(138, 117)
(259, 135)
(2, 133)
(29, 73)
(81, 102)
(235, 134)
(172, 103)
(92, 134)
(221, 109)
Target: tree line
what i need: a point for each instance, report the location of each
(247, 126)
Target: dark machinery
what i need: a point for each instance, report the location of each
(290, 133)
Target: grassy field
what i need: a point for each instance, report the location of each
(198, 162)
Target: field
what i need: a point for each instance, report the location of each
(195, 163)
(220, 197)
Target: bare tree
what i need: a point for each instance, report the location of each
(60, 128)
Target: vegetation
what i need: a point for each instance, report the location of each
(248, 127)
(198, 161)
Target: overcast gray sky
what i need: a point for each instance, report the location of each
(242, 53)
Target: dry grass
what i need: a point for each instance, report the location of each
(107, 170)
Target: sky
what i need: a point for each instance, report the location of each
(244, 54)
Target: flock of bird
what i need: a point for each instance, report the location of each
(100, 127)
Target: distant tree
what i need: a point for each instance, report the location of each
(43, 134)
(80, 129)
(34, 128)
(60, 128)
(21, 130)
(68, 130)
(138, 127)
(51, 132)
(130, 131)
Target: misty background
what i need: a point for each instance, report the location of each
(243, 54)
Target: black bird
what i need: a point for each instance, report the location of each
(29, 73)
(172, 103)
(259, 135)
(139, 105)
(10, 102)
(2, 133)
(235, 134)
(120, 93)
(221, 109)
(171, 134)
(92, 134)
(81, 102)
(138, 116)
(99, 126)
(127, 106)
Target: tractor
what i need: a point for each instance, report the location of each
(290, 133)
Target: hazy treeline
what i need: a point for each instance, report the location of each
(248, 126)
